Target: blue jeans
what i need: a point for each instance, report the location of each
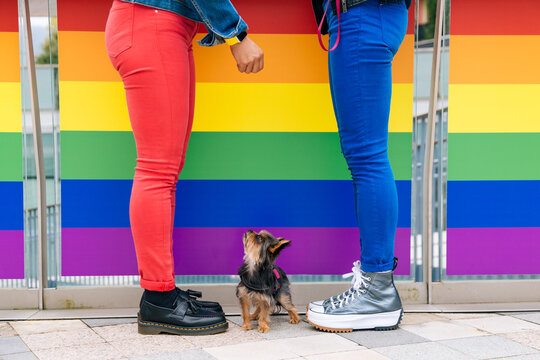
(361, 86)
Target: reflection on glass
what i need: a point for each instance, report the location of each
(425, 27)
(45, 45)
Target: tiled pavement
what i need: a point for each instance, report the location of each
(438, 336)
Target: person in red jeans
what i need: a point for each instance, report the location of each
(149, 42)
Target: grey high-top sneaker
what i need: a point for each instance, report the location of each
(371, 303)
(355, 272)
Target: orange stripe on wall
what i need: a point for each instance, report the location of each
(293, 58)
(495, 59)
(82, 56)
(9, 43)
(287, 59)
(403, 65)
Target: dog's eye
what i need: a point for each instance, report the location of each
(259, 238)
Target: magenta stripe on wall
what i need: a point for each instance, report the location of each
(218, 251)
(12, 254)
(493, 251)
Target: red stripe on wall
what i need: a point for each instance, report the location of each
(285, 16)
(262, 17)
(277, 16)
(271, 17)
(83, 15)
(496, 17)
(410, 24)
(9, 13)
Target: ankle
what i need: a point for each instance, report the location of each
(160, 298)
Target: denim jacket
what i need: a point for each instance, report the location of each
(220, 17)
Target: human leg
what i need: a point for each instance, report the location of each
(361, 86)
(151, 49)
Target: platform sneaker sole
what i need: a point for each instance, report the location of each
(347, 323)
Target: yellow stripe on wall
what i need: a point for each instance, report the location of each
(101, 106)
(93, 106)
(281, 107)
(10, 107)
(494, 108)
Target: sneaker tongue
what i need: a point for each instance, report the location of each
(346, 298)
(337, 298)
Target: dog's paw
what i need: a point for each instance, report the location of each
(264, 328)
(246, 327)
(294, 320)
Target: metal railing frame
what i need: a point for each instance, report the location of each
(427, 191)
(38, 153)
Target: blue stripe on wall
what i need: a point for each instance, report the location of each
(11, 205)
(227, 203)
(473, 204)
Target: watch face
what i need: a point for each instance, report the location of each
(241, 36)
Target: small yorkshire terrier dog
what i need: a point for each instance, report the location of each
(263, 285)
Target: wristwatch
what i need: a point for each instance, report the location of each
(238, 38)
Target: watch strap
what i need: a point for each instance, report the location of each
(235, 40)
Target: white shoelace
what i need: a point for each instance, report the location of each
(355, 270)
(359, 282)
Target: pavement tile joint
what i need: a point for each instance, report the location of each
(421, 336)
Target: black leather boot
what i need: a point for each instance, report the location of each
(185, 317)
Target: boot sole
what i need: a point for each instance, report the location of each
(154, 328)
(350, 329)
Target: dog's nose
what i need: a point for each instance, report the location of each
(250, 231)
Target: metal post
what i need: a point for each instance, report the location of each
(427, 181)
(38, 154)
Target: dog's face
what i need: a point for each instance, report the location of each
(262, 247)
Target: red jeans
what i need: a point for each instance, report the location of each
(151, 50)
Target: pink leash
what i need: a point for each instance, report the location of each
(339, 27)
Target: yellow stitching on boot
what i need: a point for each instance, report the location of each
(180, 328)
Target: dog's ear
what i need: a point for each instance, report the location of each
(282, 243)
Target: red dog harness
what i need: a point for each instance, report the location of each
(278, 286)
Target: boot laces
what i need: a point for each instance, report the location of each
(359, 284)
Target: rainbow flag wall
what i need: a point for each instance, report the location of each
(272, 161)
(11, 173)
(494, 138)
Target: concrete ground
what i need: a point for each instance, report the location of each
(427, 336)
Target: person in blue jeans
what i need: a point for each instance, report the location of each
(366, 38)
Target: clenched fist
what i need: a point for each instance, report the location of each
(249, 57)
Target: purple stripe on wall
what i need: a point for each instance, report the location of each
(493, 251)
(218, 251)
(11, 254)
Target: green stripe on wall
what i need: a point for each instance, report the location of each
(494, 156)
(11, 157)
(226, 155)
